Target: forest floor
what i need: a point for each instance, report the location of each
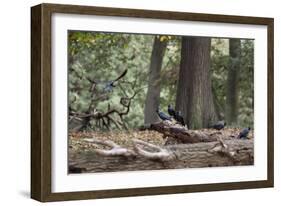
(124, 138)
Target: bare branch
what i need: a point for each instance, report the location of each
(160, 154)
(114, 122)
(222, 148)
(116, 150)
(152, 146)
(112, 114)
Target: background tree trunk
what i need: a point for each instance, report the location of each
(153, 92)
(194, 92)
(232, 88)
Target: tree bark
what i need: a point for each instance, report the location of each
(232, 90)
(153, 92)
(212, 154)
(194, 92)
(181, 135)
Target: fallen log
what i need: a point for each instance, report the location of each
(145, 156)
(181, 135)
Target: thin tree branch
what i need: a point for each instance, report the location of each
(116, 150)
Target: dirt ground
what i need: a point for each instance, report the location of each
(124, 138)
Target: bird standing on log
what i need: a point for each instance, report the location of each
(176, 115)
(179, 118)
(219, 125)
(163, 116)
(171, 111)
(244, 133)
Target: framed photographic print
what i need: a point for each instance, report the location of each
(132, 102)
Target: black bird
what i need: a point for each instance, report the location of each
(179, 118)
(111, 84)
(171, 111)
(244, 133)
(163, 116)
(219, 125)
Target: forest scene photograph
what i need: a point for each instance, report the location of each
(155, 101)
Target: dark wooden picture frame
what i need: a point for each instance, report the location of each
(41, 101)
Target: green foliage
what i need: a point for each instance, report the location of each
(169, 72)
(219, 69)
(246, 97)
(219, 66)
(101, 57)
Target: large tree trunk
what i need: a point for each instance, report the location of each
(153, 92)
(198, 155)
(232, 88)
(194, 92)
